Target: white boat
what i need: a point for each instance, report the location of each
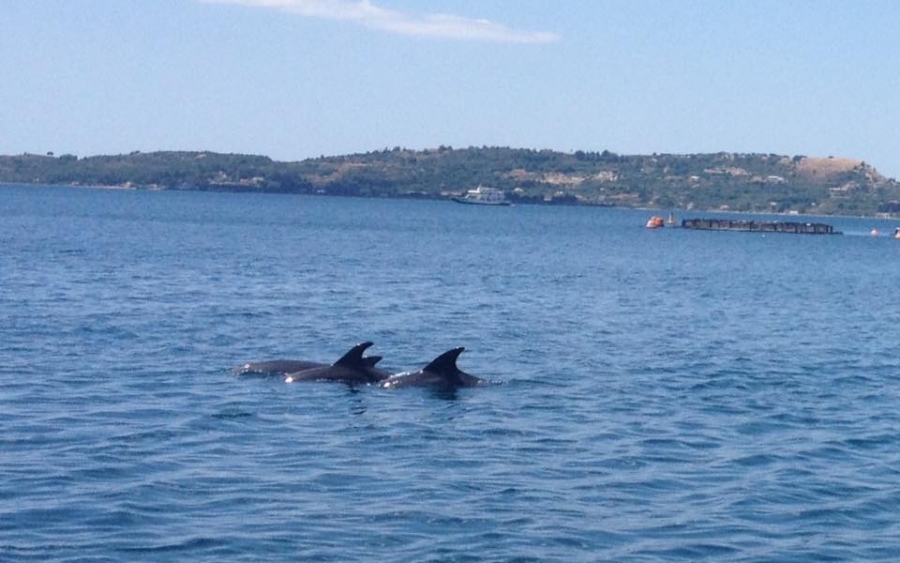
(483, 196)
(655, 222)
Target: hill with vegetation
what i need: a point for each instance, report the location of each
(720, 181)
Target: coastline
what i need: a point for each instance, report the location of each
(445, 196)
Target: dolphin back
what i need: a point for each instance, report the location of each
(441, 373)
(352, 368)
(275, 367)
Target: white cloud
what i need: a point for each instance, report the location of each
(365, 13)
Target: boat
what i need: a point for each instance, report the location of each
(655, 222)
(483, 196)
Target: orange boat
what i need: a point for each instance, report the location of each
(655, 222)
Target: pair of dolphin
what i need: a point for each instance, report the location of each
(354, 368)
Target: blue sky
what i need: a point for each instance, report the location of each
(294, 79)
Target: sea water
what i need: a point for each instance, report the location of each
(656, 395)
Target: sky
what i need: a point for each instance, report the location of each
(294, 79)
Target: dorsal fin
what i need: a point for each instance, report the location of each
(445, 364)
(353, 357)
(371, 361)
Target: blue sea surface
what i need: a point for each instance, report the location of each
(657, 395)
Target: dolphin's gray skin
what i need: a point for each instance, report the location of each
(441, 373)
(281, 368)
(351, 368)
(275, 367)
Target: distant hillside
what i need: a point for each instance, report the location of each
(721, 181)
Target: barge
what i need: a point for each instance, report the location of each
(742, 225)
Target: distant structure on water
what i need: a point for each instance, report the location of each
(759, 226)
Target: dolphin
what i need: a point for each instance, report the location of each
(350, 368)
(441, 373)
(281, 368)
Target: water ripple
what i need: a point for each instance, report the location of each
(649, 404)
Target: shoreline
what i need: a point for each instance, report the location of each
(442, 197)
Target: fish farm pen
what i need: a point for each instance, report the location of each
(759, 226)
